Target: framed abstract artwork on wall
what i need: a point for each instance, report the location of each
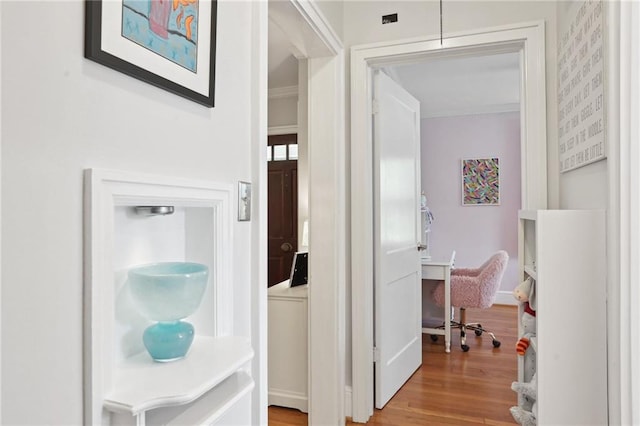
(481, 182)
(168, 43)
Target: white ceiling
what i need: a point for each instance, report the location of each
(463, 85)
(444, 86)
(283, 66)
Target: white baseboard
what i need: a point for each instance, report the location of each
(505, 298)
(300, 402)
(289, 399)
(348, 401)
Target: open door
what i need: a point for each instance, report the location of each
(398, 281)
(282, 201)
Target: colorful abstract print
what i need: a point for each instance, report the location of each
(166, 27)
(480, 181)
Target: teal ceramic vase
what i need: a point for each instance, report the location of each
(167, 293)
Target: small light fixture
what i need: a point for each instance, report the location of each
(154, 210)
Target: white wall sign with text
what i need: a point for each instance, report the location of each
(581, 81)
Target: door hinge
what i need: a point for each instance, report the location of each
(376, 354)
(375, 107)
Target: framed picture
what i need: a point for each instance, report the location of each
(244, 201)
(481, 182)
(170, 44)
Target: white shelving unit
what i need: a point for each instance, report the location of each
(531, 271)
(564, 251)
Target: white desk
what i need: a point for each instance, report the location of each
(288, 346)
(434, 269)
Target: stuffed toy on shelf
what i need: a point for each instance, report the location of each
(527, 413)
(525, 293)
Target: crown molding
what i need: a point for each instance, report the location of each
(282, 130)
(306, 26)
(283, 92)
(474, 110)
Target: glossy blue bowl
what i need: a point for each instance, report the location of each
(168, 291)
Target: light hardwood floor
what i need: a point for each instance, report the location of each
(451, 389)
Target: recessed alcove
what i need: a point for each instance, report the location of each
(123, 385)
(184, 235)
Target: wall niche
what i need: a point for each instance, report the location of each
(123, 385)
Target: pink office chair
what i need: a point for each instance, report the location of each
(473, 288)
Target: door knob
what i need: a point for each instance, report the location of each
(421, 247)
(286, 247)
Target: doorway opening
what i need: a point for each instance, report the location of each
(282, 200)
(469, 114)
(527, 41)
(316, 45)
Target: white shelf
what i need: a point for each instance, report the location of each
(528, 214)
(141, 384)
(531, 271)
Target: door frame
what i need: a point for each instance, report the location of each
(312, 38)
(623, 231)
(526, 38)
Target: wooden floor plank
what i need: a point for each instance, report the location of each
(460, 388)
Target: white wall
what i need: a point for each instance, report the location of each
(598, 185)
(303, 146)
(475, 232)
(586, 187)
(282, 111)
(61, 114)
(333, 12)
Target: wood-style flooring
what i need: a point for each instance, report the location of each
(451, 389)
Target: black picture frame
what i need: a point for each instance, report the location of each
(95, 52)
(299, 269)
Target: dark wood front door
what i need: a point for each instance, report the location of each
(283, 209)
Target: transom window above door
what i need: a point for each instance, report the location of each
(282, 152)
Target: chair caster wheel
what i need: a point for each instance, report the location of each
(496, 344)
(465, 348)
(434, 337)
(478, 333)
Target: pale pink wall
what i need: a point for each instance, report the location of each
(475, 232)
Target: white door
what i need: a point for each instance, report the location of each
(398, 291)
